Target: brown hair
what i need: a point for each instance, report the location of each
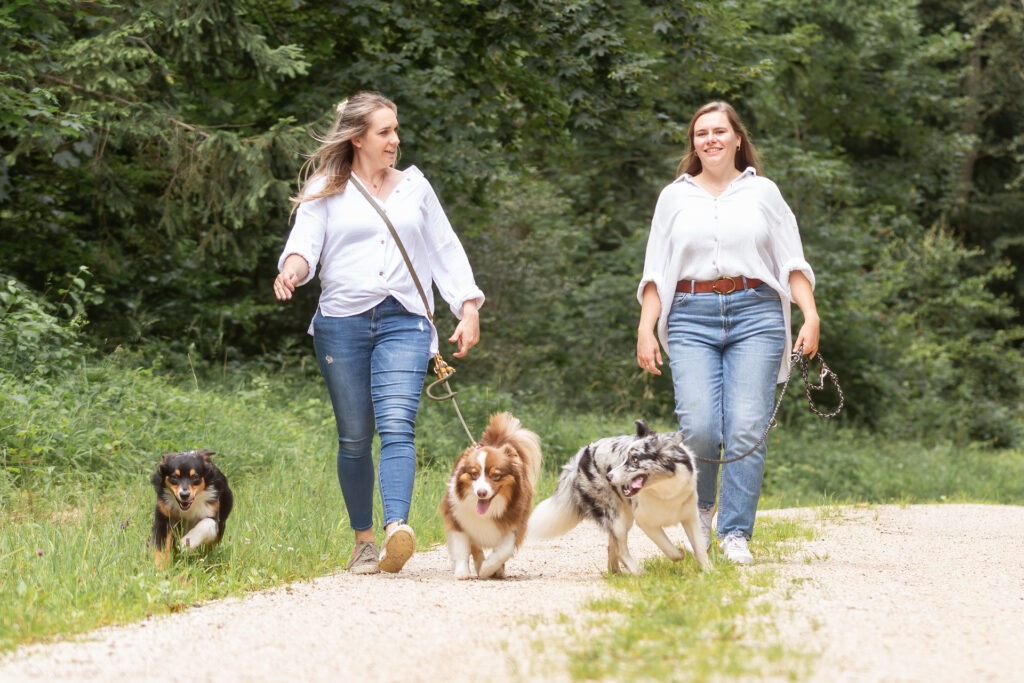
(333, 158)
(746, 155)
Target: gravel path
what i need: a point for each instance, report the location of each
(919, 593)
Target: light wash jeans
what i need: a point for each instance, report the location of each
(374, 364)
(724, 352)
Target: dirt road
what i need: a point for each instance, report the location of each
(922, 593)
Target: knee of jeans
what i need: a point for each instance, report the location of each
(355, 448)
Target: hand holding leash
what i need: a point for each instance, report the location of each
(825, 373)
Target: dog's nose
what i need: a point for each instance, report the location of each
(184, 494)
(481, 494)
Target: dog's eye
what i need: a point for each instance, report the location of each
(497, 474)
(633, 460)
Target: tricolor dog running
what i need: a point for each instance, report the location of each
(647, 477)
(192, 498)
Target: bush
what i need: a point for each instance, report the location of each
(40, 336)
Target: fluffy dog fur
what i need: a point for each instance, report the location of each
(193, 498)
(647, 477)
(489, 496)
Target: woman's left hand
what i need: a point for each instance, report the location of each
(467, 332)
(808, 337)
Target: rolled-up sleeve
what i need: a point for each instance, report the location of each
(657, 256)
(449, 265)
(786, 243)
(307, 235)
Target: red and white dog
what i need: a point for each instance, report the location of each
(489, 497)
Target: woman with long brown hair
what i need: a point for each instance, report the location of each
(724, 260)
(372, 334)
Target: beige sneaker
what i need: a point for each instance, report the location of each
(399, 546)
(364, 559)
(707, 528)
(707, 525)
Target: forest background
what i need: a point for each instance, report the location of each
(149, 150)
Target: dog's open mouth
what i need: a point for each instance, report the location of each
(185, 504)
(633, 486)
(482, 505)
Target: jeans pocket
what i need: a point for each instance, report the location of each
(763, 292)
(680, 298)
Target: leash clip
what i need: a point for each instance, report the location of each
(443, 372)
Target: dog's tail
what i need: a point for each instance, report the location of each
(506, 429)
(551, 518)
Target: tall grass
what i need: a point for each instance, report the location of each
(76, 503)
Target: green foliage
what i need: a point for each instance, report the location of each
(43, 337)
(839, 465)
(157, 144)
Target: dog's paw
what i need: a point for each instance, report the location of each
(677, 555)
(185, 544)
(463, 573)
(492, 570)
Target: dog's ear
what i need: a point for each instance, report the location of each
(204, 453)
(642, 429)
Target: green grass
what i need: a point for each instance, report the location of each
(76, 508)
(676, 623)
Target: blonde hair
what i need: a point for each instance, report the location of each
(333, 158)
(746, 155)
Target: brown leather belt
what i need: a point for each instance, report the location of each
(723, 285)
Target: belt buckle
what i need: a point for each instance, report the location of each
(714, 285)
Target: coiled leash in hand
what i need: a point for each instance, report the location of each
(443, 372)
(441, 368)
(800, 360)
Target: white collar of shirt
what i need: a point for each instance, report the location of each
(748, 171)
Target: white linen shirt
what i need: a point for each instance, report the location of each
(360, 264)
(747, 230)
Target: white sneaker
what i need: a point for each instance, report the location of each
(735, 548)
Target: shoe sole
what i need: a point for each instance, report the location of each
(398, 548)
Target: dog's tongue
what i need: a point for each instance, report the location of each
(482, 505)
(637, 483)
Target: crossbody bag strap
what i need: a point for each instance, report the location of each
(398, 241)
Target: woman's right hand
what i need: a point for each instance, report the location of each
(292, 272)
(284, 285)
(648, 353)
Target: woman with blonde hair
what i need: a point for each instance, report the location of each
(372, 333)
(724, 260)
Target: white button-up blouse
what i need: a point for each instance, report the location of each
(747, 230)
(360, 264)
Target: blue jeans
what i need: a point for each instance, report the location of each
(725, 352)
(374, 364)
